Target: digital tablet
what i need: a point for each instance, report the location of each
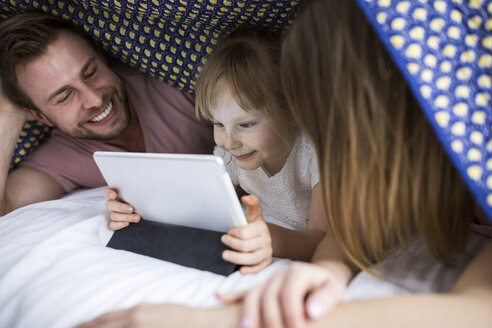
(189, 190)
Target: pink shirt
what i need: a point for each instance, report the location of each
(168, 122)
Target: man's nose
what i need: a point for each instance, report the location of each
(91, 97)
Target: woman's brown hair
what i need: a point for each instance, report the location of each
(385, 175)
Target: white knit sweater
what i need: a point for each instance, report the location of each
(285, 198)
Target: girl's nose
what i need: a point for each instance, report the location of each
(231, 141)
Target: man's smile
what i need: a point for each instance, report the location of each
(104, 114)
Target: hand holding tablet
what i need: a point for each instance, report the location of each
(187, 202)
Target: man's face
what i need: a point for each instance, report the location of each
(75, 90)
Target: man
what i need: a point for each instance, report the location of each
(50, 71)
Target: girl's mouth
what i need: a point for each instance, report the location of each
(244, 157)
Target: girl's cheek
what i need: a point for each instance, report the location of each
(254, 139)
(218, 136)
(266, 137)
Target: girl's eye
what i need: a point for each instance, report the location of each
(218, 124)
(247, 124)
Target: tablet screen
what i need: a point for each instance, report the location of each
(182, 189)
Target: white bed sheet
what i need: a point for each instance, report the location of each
(55, 270)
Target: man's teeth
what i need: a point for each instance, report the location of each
(103, 114)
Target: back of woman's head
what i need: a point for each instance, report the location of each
(247, 62)
(385, 175)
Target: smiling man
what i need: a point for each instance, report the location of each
(51, 71)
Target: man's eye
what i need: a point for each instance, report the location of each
(90, 74)
(64, 98)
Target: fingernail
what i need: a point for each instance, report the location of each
(129, 209)
(245, 322)
(315, 309)
(136, 218)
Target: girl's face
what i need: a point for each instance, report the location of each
(248, 136)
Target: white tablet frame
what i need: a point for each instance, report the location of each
(182, 189)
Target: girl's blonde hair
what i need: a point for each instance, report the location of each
(384, 173)
(247, 62)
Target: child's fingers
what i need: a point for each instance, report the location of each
(110, 193)
(255, 268)
(253, 209)
(251, 230)
(117, 206)
(244, 232)
(123, 217)
(251, 258)
(115, 225)
(247, 245)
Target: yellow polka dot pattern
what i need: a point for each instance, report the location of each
(444, 49)
(167, 39)
(30, 137)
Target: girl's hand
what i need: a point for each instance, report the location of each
(121, 213)
(252, 243)
(293, 295)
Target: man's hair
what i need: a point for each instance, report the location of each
(384, 173)
(23, 38)
(247, 62)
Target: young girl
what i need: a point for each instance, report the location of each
(239, 91)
